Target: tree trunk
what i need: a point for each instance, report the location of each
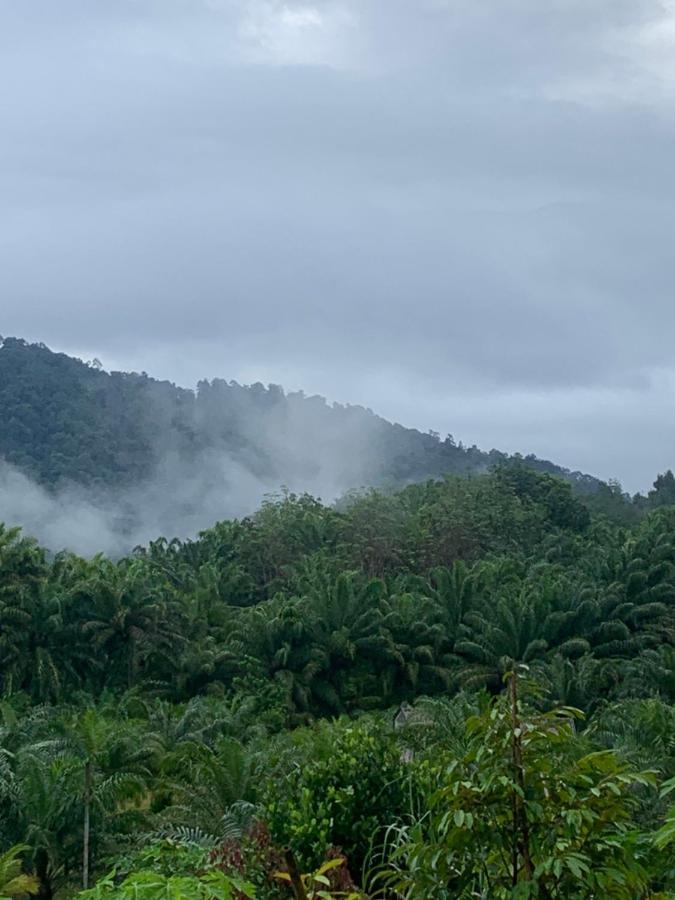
(45, 889)
(296, 878)
(87, 813)
(521, 827)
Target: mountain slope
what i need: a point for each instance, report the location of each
(64, 421)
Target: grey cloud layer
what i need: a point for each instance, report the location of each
(469, 202)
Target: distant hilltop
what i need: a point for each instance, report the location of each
(68, 422)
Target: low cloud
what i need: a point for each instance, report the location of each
(250, 444)
(179, 501)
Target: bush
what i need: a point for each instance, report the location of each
(343, 799)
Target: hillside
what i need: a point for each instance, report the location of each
(65, 421)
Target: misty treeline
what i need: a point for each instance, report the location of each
(102, 461)
(461, 689)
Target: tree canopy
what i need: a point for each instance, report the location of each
(461, 688)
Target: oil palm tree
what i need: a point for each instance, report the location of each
(345, 636)
(13, 881)
(413, 664)
(505, 631)
(213, 787)
(272, 639)
(22, 572)
(38, 806)
(110, 761)
(128, 616)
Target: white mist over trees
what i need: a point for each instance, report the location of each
(97, 461)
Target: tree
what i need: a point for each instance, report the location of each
(344, 795)
(344, 631)
(520, 621)
(413, 665)
(38, 806)
(109, 763)
(663, 492)
(526, 813)
(212, 787)
(128, 615)
(13, 882)
(22, 571)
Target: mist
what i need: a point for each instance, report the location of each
(176, 504)
(187, 493)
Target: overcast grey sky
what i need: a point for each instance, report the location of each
(457, 212)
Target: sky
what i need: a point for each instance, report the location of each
(458, 213)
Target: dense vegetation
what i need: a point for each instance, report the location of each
(462, 689)
(66, 421)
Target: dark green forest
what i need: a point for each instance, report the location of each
(460, 689)
(65, 421)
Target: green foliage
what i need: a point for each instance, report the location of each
(317, 885)
(343, 797)
(663, 493)
(525, 813)
(166, 857)
(665, 836)
(65, 421)
(13, 881)
(152, 886)
(203, 706)
(562, 509)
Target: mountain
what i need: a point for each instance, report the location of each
(67, 422)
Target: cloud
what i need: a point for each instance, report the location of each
(277, 33)
(297, 445)
(178, 501)
(471, 198)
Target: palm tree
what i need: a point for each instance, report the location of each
(530, 615)
(52, 655)
(505, 631)
(15, 619)
(652, 673)
(272, 638)
(110, 763)
(344, 635)
(13, 882)
(453, 592)
(413, 663)
(127, 615)
(581, 684)
(22, 572)
(22, 562)
(642, 730)
(38, 806)
(214, 787)
(201, 721)
(637, 605)
(37, 653)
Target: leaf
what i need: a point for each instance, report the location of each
(329, 865)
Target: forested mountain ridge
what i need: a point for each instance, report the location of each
(66, 421)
